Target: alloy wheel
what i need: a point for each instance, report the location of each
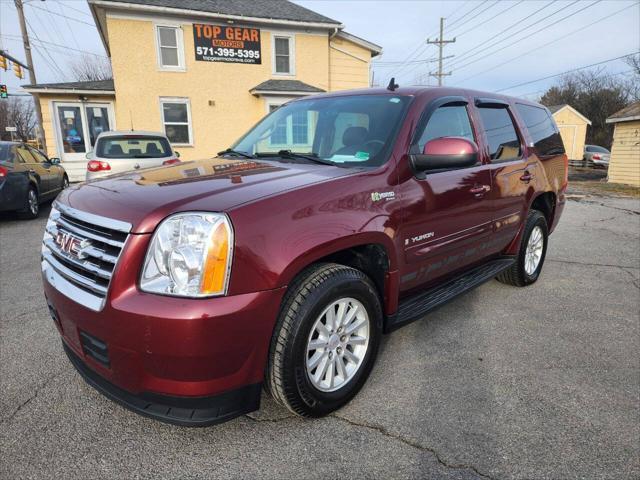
(533, 254)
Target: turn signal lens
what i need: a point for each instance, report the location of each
(98, 166)
(215, 268)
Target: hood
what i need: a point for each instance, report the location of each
(144, 197)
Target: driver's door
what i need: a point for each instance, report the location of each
(448, 216)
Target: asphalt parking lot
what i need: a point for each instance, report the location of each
(542, 382)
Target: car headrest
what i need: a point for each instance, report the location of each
(115, 149)
(152, 149)
(354, 136)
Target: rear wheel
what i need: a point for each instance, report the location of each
(31, 206)
(533, 249)
(65, 182)
(326, 340)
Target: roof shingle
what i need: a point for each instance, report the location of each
(630, 112)
(285, 86)
(268, 9)
(91, 85)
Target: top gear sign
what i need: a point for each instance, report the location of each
(216, 43)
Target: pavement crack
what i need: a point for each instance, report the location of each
(32, 397)
(414, 444)
(573, 262)
(602, 204)
(634, 281)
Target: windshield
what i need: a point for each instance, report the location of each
(351, 130)
(129, 146)
(596, 149)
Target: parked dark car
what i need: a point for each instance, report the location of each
(28, 178)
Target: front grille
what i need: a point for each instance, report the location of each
(94, 348)
(80, 252)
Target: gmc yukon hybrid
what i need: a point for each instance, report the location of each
(181, 291)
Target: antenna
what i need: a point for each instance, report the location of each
(392, 84)
(131, 119)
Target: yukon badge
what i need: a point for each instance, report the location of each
(377, 196)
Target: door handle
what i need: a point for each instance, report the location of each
(526, 177)
(480, 190)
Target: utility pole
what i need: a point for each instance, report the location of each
(441, 43)
(32, 73)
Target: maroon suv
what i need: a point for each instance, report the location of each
(181, 291)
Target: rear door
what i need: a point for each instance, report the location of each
(36, 169)
(449, 213)
(512, 173)
(54, 177)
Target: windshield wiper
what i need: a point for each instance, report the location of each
(293, 155)
(231, 151)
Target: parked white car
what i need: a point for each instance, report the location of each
(117, 152)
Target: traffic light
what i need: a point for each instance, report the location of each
(3, 91)
(17, 69)
(3, 63)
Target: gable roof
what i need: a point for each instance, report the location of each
(95, 86)
(627, 114)
(556, 108)
(284, 87)
(263, 9)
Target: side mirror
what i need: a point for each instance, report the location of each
(177, 154)
(446, 153)
(54, 161)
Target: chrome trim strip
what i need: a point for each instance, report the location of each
(79, 231)
(99, 220)
(51, 245)
(69, 290)
(73, 276)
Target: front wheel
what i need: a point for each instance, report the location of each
(31, 207)
(325, 341)
(533, 249)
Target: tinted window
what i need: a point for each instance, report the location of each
(7, 152)
(595, 149)
(38, 156)
(504, 143)
(26, 156)
(543, 131)
(133, 147)
(450, 121)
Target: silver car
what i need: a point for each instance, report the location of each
(117, 152)
(595, 156)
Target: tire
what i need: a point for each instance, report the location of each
(65, 182)
(316, 291)
(520, 274)
(31, 207)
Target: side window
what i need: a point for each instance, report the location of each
(170, 47)
(447, 121)
(40, 158)
(544, 133)
(503, 140)
(25, 155)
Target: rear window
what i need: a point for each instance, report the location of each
(133, 147)
(6, 152)
(504, 143)
(544, 133)
(596, 149)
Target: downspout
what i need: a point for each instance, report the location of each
(335, 32)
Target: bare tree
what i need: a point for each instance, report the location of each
(18, 113)
(89, 67)
(596, 95)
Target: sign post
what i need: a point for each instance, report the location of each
(11, 130)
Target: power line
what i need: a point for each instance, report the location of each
(474, 17)
(517, 57)
(468, 13)
(53, 65)
(513, 25)
(484, 22)
(565, 72)
(61, 15)
(17, 37)
(74, 9)
(73, 35)
(528, 35)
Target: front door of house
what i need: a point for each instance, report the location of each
(78, 124)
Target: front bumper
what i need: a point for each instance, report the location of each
(183, 361)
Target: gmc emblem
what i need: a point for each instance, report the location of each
(68, 243)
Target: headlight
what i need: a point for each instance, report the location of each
(189, 256)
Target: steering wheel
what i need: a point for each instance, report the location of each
(375, 146)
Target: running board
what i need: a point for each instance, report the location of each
(417, 306)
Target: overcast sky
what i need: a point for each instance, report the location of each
(499, 44)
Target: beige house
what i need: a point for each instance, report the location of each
(573, 129)
(201, 72)
(624, 166)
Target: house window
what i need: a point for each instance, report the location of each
(294, 130)
(176, 119)
(170, 48)
(300, 128)
(283, 55)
